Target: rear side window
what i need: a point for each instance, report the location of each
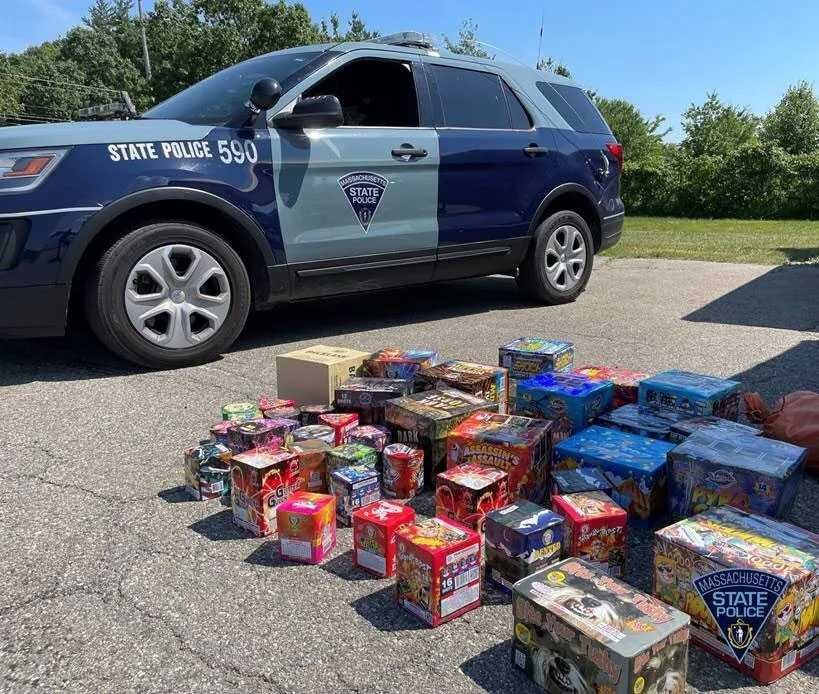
(471, 99)
(519, 115)
(575, 107)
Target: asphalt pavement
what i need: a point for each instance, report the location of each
(113, 580)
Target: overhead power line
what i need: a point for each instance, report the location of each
(13, 76)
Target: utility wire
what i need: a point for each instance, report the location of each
(13, 76)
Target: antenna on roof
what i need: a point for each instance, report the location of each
(539, 41)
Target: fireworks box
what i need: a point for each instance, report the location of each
(750, 584)
(354, 486)
(581, 479)
(394, 362)
(625, 381)
(312, 375)
(520, 446)
(630, 418)
(466, 493)
(487, 382)
(290, 412)
(579, 631)
(438, 574)
(307, 527)
(315, 432)
(681, 430)
(351, 454)
(520, 539)
(309, 414)
(749, 472)
(312, 465)
(342, 423)
(690, 394)
(203, 464)
(570, 400)
(594, 530)
(240, 412)
(220, 432)
(367, 396)
(260, 481)
(372, 436)
(374, 529)
(530, 356)
(635, 465)
(402, 471)
(424, 420)
(267, 402)
(260, 433)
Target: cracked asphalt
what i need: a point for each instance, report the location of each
(113, 580)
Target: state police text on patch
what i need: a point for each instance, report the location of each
(364, 191)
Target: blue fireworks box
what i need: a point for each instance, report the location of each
(572, 401)
(690, 394)
(750, 473)
(581, 479)
(635, 465)
(716, 425)
(529, 356)
(630, 418)
(354, 486)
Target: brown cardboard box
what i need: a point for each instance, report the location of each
(311, 375)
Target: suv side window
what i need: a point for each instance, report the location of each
(471, 99)
(575, 107)
(520, 116)
(373, 93)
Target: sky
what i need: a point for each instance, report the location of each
(660, 56)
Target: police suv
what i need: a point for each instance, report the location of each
(304, 173)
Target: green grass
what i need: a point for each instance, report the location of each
(723, 240)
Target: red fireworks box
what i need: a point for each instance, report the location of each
(466, 493)
(480, 380)
(595, 530)
(307, 527)
(374, 529)
(438, 573)
(341, 423)
(626, 382)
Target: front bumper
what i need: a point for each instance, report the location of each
(610, 231)
(38, 311)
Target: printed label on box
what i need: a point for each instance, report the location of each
(299, 549)
(460, 598)
(372, 561)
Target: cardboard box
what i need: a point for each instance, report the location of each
(466, 493)
(438, 574)
(690, 394)
(487, 382)
(681, 430)
(529, 356)
(770, 588)
(402, 471)
(260, 433)
(202, 466)
(354, 486)
(351, 454)
(312, 465)
(520, 446)
(579, 631)
(311, 375)
(625, 381)
(307, 527)
(635, 465)
(395, 362)
(374, 528)
(748, 472)
(631, 419)
(581, 479)
(368, 396)
(594, 530)
(520, 539)
(315, 432)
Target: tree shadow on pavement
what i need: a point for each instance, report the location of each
(382, 611)
(492, 671)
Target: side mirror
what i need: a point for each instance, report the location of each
(264, 94)
(313, 112)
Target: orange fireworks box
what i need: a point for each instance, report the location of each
(438, 572)
(520, 446)
(307, 527)
(311, 375)
(595, 530)
(481, 380)
(312, 465)
(626, 382)
(260, 481)
(466, 493)
(374, 529)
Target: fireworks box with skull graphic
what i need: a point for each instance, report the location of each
(520, 539)
(367, 396)
(487, 382)
(630, 418)
(354, 486)
(625, 381)
(520, 446)
(686, 393)
(395, 362)
(438, 572)
(570, 400)
(307, 527)
(635, 465)
(529, 356)
(207, 470)
(374, 529)
(750, 584)
(718, 426)
(581, 479)
(466, 493)
(594, 529)
(752, 473)
(579, 631)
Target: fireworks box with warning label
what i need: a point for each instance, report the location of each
(750, 584)
(487, 382)
(581, 479)
(354, 486)
(374, 529)
(207, 470)
(312, 465)
(578, 631)
(690, 394)
(520, 539)
(625, 381)
(466, 493)
(718, 426)
(630, 418)
(395, 362)
(367, 396)
(260, 481)
(520, 446)
(311, 375)
(635, 465)
(307, 527)
(438, 570)
(529, 356)
(749, 472)
(594, 529)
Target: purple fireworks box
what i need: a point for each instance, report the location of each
(368, 396)
(691, 394)
(529, 356)
(630, 418)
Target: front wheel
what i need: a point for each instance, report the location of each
(168, 295)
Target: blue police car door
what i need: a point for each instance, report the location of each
(359, 201)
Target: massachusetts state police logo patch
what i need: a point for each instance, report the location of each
(363, 190)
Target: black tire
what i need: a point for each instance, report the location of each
(105, 295)
(532, 278)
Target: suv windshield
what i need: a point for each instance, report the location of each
(214, 100)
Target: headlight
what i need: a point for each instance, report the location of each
(26, 170)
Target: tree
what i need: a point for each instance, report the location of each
(467, 43)
(642, 138)
(715, 128)
(793, 124)
(551, 65)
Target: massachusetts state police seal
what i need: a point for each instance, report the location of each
(363, 190)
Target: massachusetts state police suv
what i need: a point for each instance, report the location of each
(304, 173)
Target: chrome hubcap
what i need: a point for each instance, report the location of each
(177, 296)
(565, 257)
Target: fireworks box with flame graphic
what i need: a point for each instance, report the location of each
(765, 635)
(748, 472)
(438, 573)
(312, 465)
(578, 631)
(374, 529)
(529, 356)
(207, 470)
(260, 481)
(630, 418)
(625, 381)
(367, 396)
(594, 529)
(307, 527)
(581, 479)
(520, 446)
(635, 465)
(487, 382)
(681, 430)
(395, 362)
(694, 395)
(466, 493)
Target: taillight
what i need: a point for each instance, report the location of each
(617, 151)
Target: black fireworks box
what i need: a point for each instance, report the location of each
(368, 396)
(581, 631)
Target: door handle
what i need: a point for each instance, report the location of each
(409, 152)
(534, 150)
